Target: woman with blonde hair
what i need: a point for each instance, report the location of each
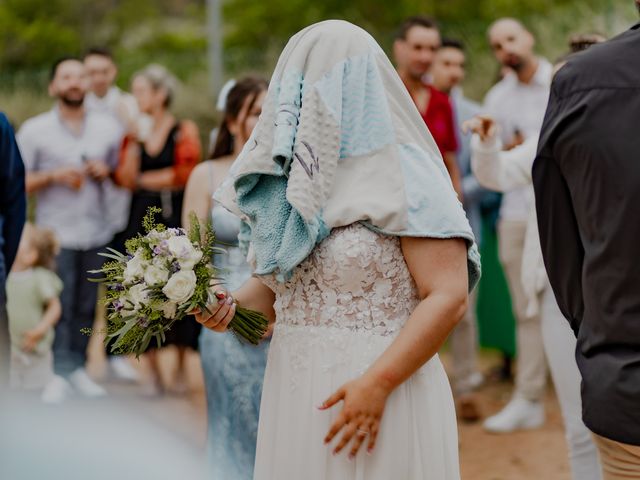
(155, 166)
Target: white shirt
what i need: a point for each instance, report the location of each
(112, 103)
(46, 143)
(123, 107)
(519, 107)
(504, 171)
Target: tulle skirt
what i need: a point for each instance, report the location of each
(418, 435)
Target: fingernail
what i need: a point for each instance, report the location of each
(229, 300)
(335, 452)
(221, 301)
(369, 451)
(351, 457)
(320, 407)
(220, 294)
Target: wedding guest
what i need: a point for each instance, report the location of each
(517, 103)
(156, 170)
(414, 49)
(587, 186)
(34, 309)
(70, 153)
(447, 74)
(104, 96)
(12, 216)
(361, 250)
(503, 171)
(233, 371)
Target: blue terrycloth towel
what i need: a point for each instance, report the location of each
(339, 141)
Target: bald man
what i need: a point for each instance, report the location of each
(518, 103)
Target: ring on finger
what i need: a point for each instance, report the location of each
(362, 433)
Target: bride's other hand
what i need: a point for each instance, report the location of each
(364, 401)
(219, 315)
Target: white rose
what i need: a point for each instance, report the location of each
(169, 310)
(184, 251)
(180, 286)
(139, 296)
(135, 268)
(190, 261)
(155, 275)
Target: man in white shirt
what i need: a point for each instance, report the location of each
(518, 104)
(105, 97)
(69, 154)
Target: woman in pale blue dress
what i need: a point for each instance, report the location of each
(233, 371)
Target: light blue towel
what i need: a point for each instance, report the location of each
(339, 141)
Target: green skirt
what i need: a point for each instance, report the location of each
(496, 322)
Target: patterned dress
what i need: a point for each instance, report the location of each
(343, 306)
(233, 373)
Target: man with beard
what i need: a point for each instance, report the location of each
(518, 103)
(69, 154)
(414, 49)
(586, 177)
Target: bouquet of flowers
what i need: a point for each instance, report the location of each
(164, 275)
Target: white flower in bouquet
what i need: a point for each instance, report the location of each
(155, 275)
(169, 310)
(180, 286)
(184, 251)
(138, 296)
(167, 260)
(135, 268)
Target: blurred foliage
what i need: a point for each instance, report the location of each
(33, 33)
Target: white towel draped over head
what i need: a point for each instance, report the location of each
(339, 141)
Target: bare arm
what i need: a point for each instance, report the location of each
(155, 180)
(51, 316)
(439, 268)
(70, 177)
(197, 195)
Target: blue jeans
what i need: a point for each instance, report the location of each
(79, 297)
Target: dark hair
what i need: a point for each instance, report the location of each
(100, 51)
(56, 64)
(416, 21)
(247, 87)
(582, 41)
(448, 42)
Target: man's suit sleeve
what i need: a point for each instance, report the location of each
(12, 191)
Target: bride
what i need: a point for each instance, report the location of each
(363, 256)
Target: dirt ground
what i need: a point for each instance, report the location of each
(530, 455)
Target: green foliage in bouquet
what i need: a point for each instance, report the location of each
(166, 273)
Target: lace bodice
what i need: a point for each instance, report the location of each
(355, 279)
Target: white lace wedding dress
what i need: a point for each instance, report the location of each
(341, 309)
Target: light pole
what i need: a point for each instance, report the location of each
(214, 45)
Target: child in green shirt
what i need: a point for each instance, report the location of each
(33, 305)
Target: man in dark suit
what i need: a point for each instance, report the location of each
(12, 216)
(587, 185)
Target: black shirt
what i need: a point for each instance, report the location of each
(587, 183)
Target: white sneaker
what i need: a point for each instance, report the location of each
(518, 414)
(121, 369)
(56, 391)
(85, 385)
